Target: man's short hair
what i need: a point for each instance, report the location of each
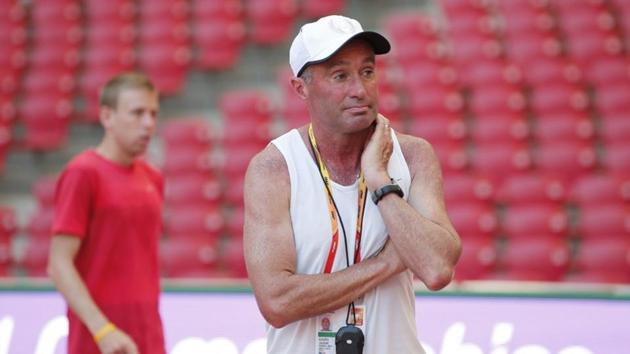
(130, 80)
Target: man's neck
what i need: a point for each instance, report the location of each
(341, 153)
(110, 151)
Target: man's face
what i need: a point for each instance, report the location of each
(342, 92)
(133, 122)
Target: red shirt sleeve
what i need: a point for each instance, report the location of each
(73, 202)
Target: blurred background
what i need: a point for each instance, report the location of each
(526, 102)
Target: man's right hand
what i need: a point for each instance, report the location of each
(117, 342)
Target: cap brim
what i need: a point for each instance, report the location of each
(378, 42)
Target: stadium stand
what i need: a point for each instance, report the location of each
(526, 103)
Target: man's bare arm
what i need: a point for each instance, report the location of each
(64, 274)
(419, 228)
(284, 296)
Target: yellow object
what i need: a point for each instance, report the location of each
(105, 330)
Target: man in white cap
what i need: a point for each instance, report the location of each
(340, 214)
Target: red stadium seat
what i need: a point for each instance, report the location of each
(186, 221)
(565, 160)
(493, 73)
(465, 188)
(271, 21)
(477, 260)
(191, 257)
(186, 161)
(8, 223)
(40, 223)
(609, 71)
(233, 259)
(617, 158)
(250, 105)
(319, 8)
(603, 221)
(615, 130)
(506, 127)
(558, 98)
(35, 257)
(426, 73)
(535, 221)
(234, 192)
(44, 190)
(452, 156)
(435, 100)
(600, 189)
(550, 71)
(530, 46)
(613, 99)
(187, 132)
(236, 159)
(219, 42)
(497, 98)
(192, 191)
(564, 127)
(235, 223)
(167, 65)
(531, 188)
(534, 259)
(473, 219)
(498, 161)
(437, 129)
(589, 47)
(602, 261)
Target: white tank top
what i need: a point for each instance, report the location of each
(390, 325)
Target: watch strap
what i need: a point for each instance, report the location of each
(385, 190)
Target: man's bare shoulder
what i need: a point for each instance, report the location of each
(268, 164)
(417, 151)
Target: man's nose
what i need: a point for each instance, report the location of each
(357, 87)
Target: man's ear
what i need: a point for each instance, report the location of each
(105, 116)
(299, 86)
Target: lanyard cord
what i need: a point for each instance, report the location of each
(334, 215)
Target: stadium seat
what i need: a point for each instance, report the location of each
(531, 189)
(235, 222)
(590, 47)
(569, 126)
(617, 158)
(186, 221)
(600, 189)
(427, 73)
(233, 259)
(34, 260)
(313, 9)
(43, 189)
(185, 161)
(473, 219)
(438, 100)
(466, 188)
(193, 190)
(219, 42)
(558, 98)
(477, 260)
(534, 259)
(597, 221)
(271, 21)
(613, 99)
(8, 222)
(499, 161)
(602, 261)
(496, 98)
(614, 130)
(437, 129)
(530, 46)
(167, 65)
(550, 71)
(234, 191)
(250, 105)
(502, 127)
(452, 155)
(236, 159)
(546, 220)
(190, 132)
(39, 223)
(494, 73)
(565, 160)
(191, 257)
(609, 71)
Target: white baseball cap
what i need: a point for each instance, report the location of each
(317, 41)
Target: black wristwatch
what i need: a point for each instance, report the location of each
(385, 190)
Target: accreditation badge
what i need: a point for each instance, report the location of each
(329, 323)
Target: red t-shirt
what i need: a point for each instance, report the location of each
(116, 212)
